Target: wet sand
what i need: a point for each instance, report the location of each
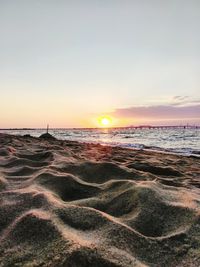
(71, 204)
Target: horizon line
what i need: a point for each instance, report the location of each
(187, 125)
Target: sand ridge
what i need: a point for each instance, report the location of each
(69, 204)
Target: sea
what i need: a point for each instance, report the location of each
(179, 140)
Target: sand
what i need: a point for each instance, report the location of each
(71, 204)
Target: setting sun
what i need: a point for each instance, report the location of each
(105, 121)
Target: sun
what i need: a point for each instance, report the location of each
(105, 121)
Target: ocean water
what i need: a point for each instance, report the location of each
(176, 140)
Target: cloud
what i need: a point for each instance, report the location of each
(159, 112)
(181, 98)
(184, 101)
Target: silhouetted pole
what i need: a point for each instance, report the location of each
(47, 128)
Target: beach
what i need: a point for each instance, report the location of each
(70, 204)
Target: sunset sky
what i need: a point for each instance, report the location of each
(67, 63)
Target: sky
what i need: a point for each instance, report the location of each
(68, 62)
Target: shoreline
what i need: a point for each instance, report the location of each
(142, 148)
(66, 203)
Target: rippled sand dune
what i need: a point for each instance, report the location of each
(80, 205)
